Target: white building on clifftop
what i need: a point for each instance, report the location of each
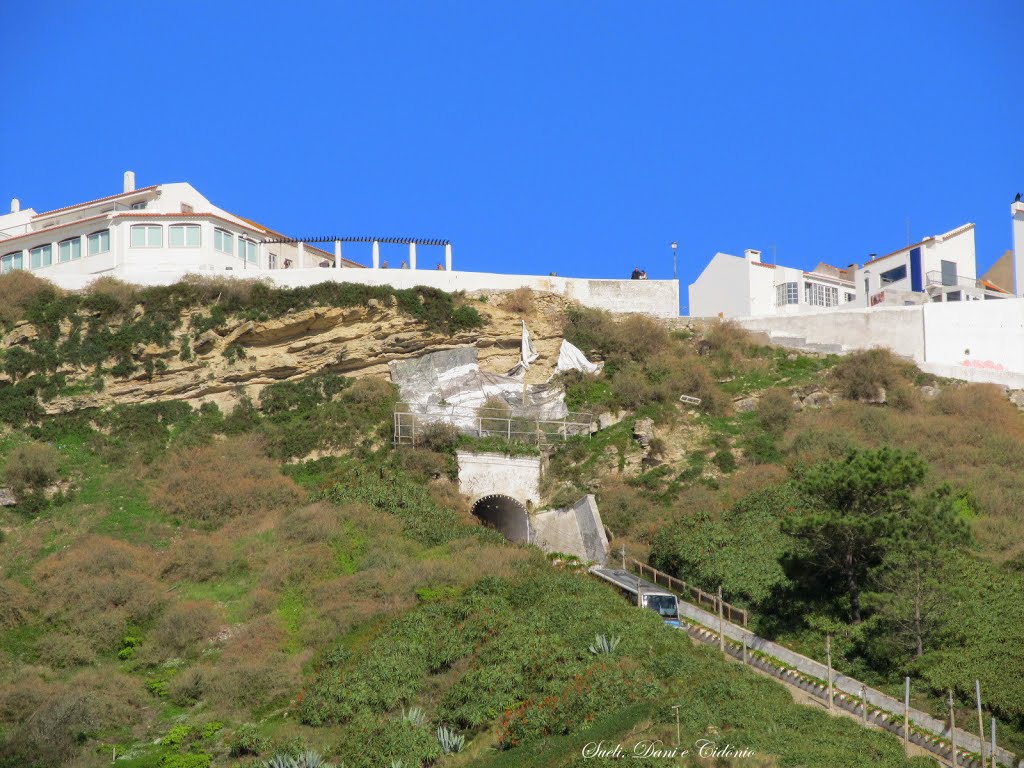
(162, 228)
(159, 234)
(734, 286)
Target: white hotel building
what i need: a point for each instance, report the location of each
(162, 228)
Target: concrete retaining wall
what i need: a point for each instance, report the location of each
(841, 682)
(652, 297)
(485, 474)
(576, 531)
(901, 329)
(977, 341)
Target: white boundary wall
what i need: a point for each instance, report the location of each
(978, 341)
(659, 298)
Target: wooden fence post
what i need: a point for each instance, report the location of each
(828, 656)
(952, 728)
(721, 622)
(906, 715)
(992, 729)
(981, 723)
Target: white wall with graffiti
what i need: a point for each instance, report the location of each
(980, 341)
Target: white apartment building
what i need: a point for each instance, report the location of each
(939, 268)
(161, 228)
(735, 286)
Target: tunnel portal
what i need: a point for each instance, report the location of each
(504, 514)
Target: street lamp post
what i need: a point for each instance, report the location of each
(675, 275)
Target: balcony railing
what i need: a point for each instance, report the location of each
(936, 277)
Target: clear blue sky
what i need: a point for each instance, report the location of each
(537, 136)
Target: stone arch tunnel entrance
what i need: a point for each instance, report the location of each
(504, 514)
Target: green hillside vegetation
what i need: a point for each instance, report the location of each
(929, 488)
(186, 588)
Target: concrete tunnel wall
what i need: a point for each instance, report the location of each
(504, 514)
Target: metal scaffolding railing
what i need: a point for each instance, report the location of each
(534, 429)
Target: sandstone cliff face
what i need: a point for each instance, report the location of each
(243, 357)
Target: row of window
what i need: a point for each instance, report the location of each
(818, 295)
(142, 236)
(815, 294)
(67, 250)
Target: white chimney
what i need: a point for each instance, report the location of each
(129, 181)
(751, 255)
(15, 205)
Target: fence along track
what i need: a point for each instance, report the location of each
(872, 706)
(689, 592)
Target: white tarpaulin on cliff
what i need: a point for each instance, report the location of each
(451, 386)
(570, 358)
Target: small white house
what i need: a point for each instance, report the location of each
(939, 268)
(162, 228)
(735, 286)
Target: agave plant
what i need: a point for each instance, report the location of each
(604, 645)
(414, 715)
(307, 759)
(450, 741)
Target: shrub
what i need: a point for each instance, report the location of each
(374, 742)
(520, 301)
(311, 524)
(775, 411)
(101, 587)
(31, 467)
(616, 340)
(212, 484)
(18, 289)
(185, 625)
(232, 291)
(64, 651)
(196, 559)
(729, 339)
(439, 437)
(863, 375)
(121, 294)
(187, 687)
(425, 465)
(15, 605)
(247, 740)
(65, 716)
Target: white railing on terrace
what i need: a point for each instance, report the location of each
(534, 429)
(935, 277)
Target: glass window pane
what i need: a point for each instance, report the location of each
(138, 237)
(156, 237)
(176, 236)
(5, 263)
(192, 236)
(76, 248)
(19, 260)
(229, 243)
(64, 251)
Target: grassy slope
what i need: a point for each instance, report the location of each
(269, 576)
